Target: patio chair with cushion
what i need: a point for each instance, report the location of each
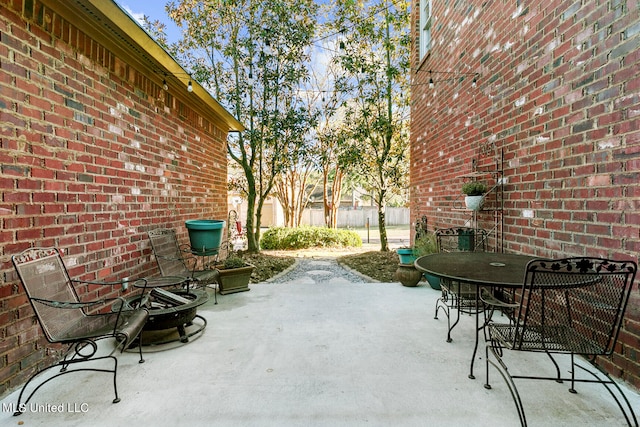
(65, 319)
(176, 260)
(570, 306)
(456, 295)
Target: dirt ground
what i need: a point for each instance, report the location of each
(368, 259)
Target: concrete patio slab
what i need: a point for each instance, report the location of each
(308, 353)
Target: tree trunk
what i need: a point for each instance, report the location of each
(252, 244)
(384, 243)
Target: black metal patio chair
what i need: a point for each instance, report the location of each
(458, 296)
(65, 319)
(176, 260)
(570, 306)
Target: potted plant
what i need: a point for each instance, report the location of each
(425, 245)
(406, 255)
(406, 273)
(474, 191)
(234, 274)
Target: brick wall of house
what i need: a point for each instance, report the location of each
(557, 104)
(93, 154)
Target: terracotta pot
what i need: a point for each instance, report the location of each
(408, 275)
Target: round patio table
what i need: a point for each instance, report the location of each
(496, 269)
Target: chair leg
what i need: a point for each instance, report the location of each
(115, 386)
(558, 375)
(504, 372)
(21, 407)
(629, 416)
(140, 347)
(449, 339)
(440, 304)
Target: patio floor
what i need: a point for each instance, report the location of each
(309, 353)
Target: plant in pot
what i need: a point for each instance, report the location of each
(406, 255)
(425, 245)
(406, 273)
(474, 191)
(234, 274)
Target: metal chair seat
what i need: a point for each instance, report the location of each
(458, 296)
(66, 319)
(175, 260)
(572, 307)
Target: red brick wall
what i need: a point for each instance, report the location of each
(92, 155)
(559, 95)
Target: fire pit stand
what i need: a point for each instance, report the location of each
(171, 308)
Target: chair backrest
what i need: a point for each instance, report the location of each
(45, 277)
(461, 239)
(574, 304)
(167, 251)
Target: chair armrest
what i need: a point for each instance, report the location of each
(190, 259)
(123, 283)
(489, 299)
(70, 304)
(85, 304)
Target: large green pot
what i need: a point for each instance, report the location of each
(205, 235)
(433, 281)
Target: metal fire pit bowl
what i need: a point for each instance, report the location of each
(164, 314)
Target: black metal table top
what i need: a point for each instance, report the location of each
(480, 268)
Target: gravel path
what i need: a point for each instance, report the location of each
(319, 271)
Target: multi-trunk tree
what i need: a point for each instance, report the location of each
(252, 55)
(375, 60)
(255, 57)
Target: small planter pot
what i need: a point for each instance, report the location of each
(408, 275)
(474, 203)
(466, 241)
(406, 255)
(231, 280)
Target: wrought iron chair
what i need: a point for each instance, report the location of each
(458, 296)
(570, 306)
(174, 260)
(66, 319)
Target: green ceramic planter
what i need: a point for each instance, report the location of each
(205, 235)
(406, 255)
(433, 281)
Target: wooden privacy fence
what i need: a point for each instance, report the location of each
(357, 218)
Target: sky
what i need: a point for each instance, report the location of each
(154, 9)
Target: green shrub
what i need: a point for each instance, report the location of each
(234, 261)
(284, 238)
(474, 188)
(425, 245)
